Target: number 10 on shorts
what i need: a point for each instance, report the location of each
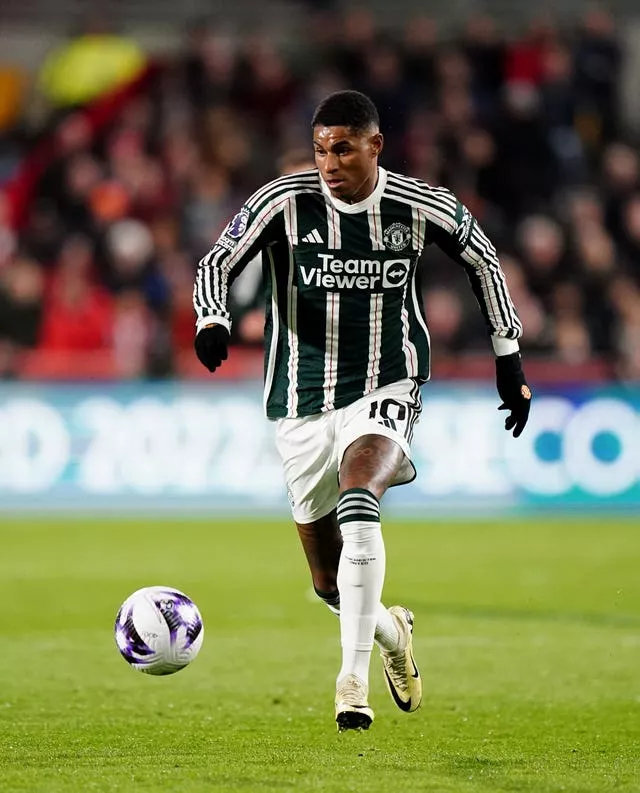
(388, 412)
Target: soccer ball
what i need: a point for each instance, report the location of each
(159, 630)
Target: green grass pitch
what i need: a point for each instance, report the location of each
(527, 633)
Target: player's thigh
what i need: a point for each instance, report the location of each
(371, 462)
(307, 448)
(390, 412)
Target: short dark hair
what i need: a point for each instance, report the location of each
(346, 109)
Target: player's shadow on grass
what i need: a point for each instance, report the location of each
(531, 615)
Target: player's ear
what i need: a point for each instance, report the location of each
(377, 142)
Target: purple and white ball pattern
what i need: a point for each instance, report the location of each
(159, 630)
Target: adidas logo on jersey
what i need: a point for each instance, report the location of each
(313, 236)
(366, 274)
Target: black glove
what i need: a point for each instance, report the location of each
(514, 392)
(211, 346)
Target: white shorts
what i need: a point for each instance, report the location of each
(312, 447)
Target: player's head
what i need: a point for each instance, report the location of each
(347, 143)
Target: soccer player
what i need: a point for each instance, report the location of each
(346, 349)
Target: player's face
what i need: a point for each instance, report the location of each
(347, 161)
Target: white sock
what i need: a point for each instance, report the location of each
(360, 578)
(386, 634)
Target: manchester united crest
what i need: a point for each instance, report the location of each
(397, 237)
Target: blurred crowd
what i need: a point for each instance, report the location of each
(525, 130)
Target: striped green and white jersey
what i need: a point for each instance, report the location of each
(344, 311)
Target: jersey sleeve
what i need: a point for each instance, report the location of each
(251, 230)
(456, 231)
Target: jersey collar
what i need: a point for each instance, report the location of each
(369, 202)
